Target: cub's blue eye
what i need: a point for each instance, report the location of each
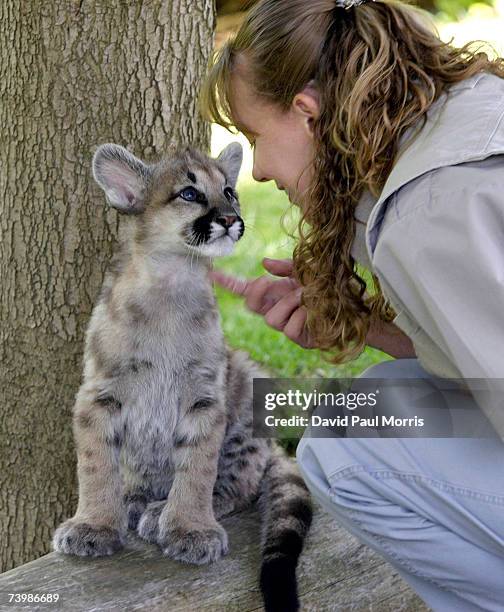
(189, 193)
(229, 193)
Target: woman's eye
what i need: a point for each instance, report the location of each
(229, 193)
(189, 193)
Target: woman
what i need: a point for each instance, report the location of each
(392, 144)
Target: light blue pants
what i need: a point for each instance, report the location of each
(433, 507)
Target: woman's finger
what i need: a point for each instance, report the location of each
(257, 301)
(295, 328)
(236, 285)
(278, 316)
(278, 267)
(264, 292)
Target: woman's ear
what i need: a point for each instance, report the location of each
(306, 104)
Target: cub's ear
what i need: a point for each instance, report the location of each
(123, 177)
(231, 159)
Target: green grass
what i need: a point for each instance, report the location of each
(262, 207)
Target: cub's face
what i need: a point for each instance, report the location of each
(186, 203)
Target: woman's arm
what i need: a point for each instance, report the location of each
(388, 338)
(279, 302)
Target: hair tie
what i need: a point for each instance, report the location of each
(348, 4)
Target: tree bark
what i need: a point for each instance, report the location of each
(73, 74)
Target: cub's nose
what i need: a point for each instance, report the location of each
(226, 220)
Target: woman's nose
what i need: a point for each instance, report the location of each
(257, 173)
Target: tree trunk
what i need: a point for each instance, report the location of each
(73, 74)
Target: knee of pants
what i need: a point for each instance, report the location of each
(308, 466)
(300, 456)
(346, 495)
(311, 456)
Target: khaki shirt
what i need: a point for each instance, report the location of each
(435, 239)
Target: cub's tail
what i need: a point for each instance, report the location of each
(286, 509)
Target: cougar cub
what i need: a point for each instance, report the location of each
(163, 418)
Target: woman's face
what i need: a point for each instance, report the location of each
(282, 141)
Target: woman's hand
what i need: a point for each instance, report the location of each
(277, 301)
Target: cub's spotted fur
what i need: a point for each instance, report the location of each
(163, 418)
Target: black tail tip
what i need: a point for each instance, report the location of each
(278, 585)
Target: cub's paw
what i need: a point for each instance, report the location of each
(198, 546)
(148, 526)
(222, 507)
(135, 507)
(85, 540)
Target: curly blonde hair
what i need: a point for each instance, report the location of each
(378, 67)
